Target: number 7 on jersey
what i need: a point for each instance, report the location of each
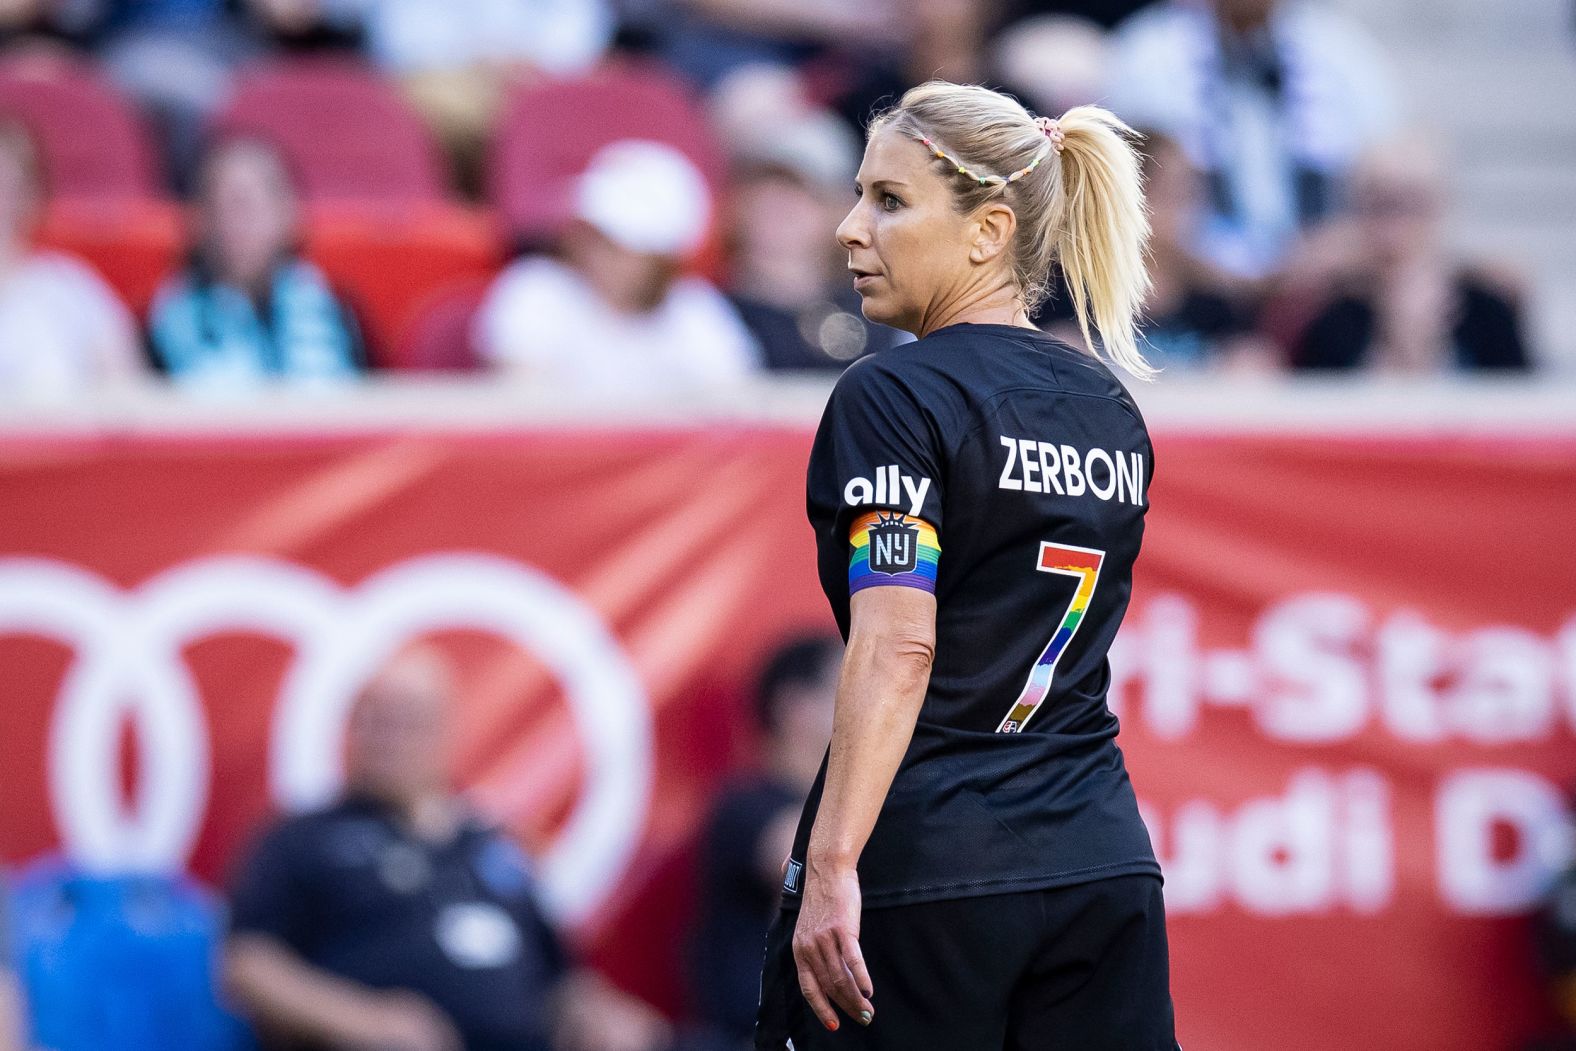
(1082, 563)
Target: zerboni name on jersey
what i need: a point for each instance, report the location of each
(1045, 467)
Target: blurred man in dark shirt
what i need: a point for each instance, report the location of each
(397, 920)
(750, 833)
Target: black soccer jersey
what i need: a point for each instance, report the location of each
(1008, 473)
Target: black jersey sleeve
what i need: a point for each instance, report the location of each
(876, 475)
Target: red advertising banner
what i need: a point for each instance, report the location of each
(1347, 681)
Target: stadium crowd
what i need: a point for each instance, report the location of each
(606, 197)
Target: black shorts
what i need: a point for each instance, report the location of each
(1080, 968)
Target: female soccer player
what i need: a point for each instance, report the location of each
(971, 858)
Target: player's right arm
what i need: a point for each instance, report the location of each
(875, 495)
(880, 690)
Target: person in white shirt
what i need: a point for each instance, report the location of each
(613, 310)
(63, 330)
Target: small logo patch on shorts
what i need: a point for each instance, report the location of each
(792, 877)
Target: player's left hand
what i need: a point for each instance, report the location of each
(826, 948)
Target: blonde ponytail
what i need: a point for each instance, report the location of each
(1081, 205)
(1104, 231)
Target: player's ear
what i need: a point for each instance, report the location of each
(991, 232)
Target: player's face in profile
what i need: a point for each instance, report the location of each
(907, 245)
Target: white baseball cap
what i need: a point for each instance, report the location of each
(646, 196)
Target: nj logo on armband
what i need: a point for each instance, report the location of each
(889, 547)
(894, 545)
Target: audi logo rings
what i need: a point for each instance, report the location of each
(127, 665)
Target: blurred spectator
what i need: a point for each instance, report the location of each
(22, 18)
(396, 919)
(28, 22)
(1103, 13)
(1402, 302)
(613, 312)
(858, 54)
(1195, 317)
(559, 37)
(248, 309)
(708, 39)
(793, 175)
(176, 58)
(457, 62)
(750, 833)
(1554, 929)
(62, 330)
(1272, 99)
(312, 25)
(1052, 62)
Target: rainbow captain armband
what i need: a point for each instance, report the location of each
(889, 547)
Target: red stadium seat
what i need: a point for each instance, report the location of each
(551, 129)
(345, 132)
(134, 245)
(438, 336)
(92, 143)
(390, 265)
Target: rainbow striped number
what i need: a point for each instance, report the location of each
(1084, 564)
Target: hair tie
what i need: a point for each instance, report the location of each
(1052, 129)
